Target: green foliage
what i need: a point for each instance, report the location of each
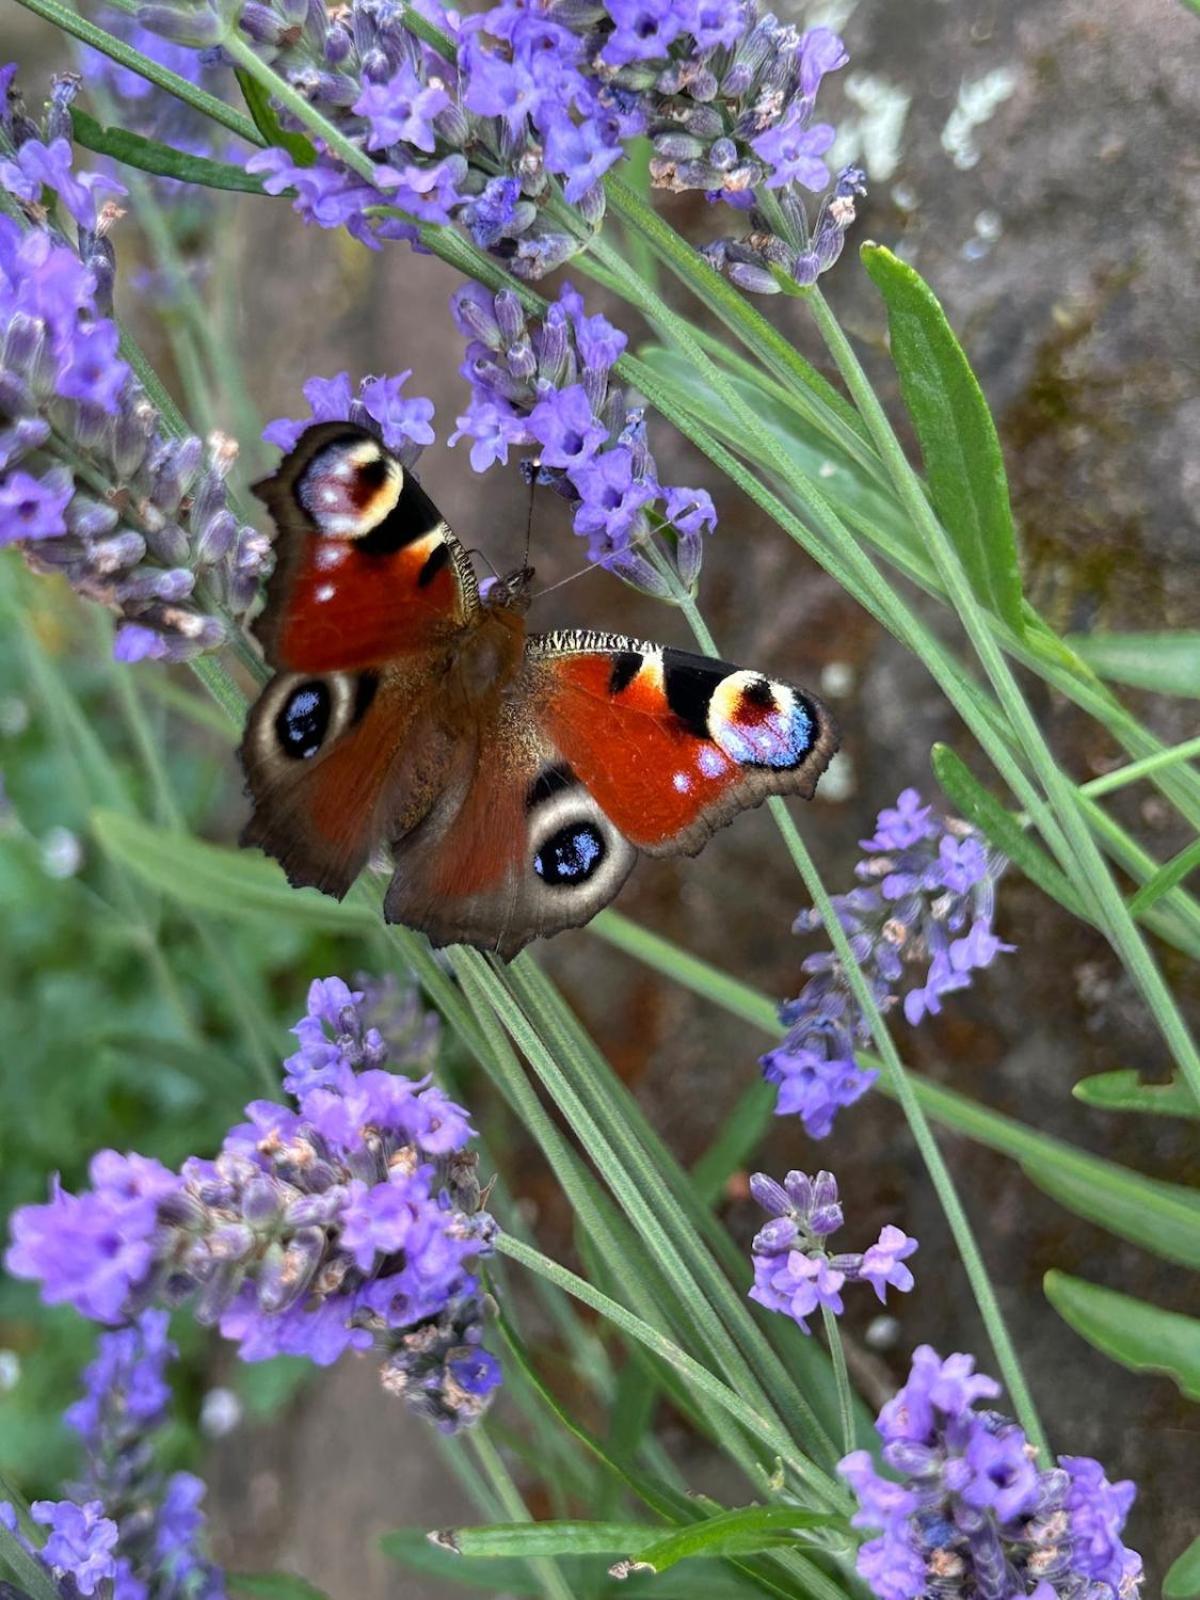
(1169, 663)
(1183, 1580)
(273, 1586)
(1143, 1337)
(149, 155)
(151, 985)
(963, 464)
(1123, 1090)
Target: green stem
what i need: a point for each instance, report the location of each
(1147, 767)
(897, 1078)
(698, 1377)
(939, 1173)
(1090, 866)
(841, 1378)
(497, 1475)
(126, 56)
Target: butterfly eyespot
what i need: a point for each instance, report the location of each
(349, 489)
(303, 720)
(571, 856)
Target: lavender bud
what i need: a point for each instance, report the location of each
(217, 540)
(165, 540)
(522, 363)
(260, 1202)
(678, 146)
(756, 280)
(553, 352)
(704, 122)
(90, 519)
(510, 317)
(376, 68)
(217, 1292)
(591, 205)
(286, 1274)
(124, 550)
(233, 1241)
(58, 118)
(776, 1236)
(131, 436)
(152, 583)
(197, 26)
(338, 45)
(175, 471)
(452, 126)
(261, 23)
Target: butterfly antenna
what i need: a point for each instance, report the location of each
(532, 469)
(570, 578)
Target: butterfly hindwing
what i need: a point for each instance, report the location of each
(366, 568)
(672, 745)
(512, 852)
(338, 763)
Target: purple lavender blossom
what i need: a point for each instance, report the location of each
(402, 422)
(159, 545)
(970, 1511)
(490, 108)
(125, 1530)
(549, 383)
(794, 1272)
(125, 1403)
(352, 1221)
(926, 902)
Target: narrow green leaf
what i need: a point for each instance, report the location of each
(963, 463)
(585, 1575)
(148, 155)
(1166, 662)
(266, 120)
(1139, 1336)
(1182, 1582)
(1168, 875)
(1160, 1217)
(1125, 1091)
(733, 1533)
(274, 1586)
(230, 883)
(525, 1539)
(975, 805)
(26, 1569)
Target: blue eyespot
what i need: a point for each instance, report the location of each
(571, 855)
(303, 721)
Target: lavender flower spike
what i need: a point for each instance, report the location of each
(352, 1221)
(156, 541)
(794, 1272)
(970, 1511)
(126, 1530)
(476, 120)
(926, 901)
(548, 386)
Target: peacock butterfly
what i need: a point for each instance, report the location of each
(514, 776)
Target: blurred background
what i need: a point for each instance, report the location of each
(1038, 163)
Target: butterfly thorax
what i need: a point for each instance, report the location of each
(488, 654)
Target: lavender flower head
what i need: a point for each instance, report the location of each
(547, 385)
(926, 905)
(970, 1513)
(349, 1222)
(485, 120)
(794, 1273)
(92, 484)
(126, 1525)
